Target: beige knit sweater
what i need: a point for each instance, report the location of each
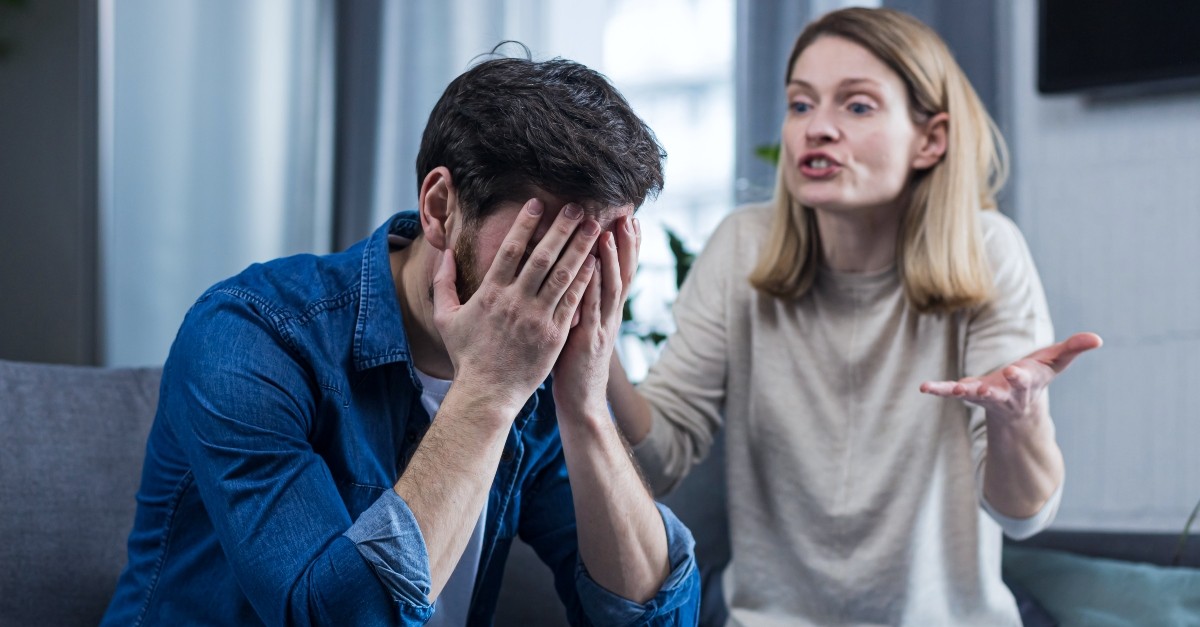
(853, 498)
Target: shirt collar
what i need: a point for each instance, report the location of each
(379, 336)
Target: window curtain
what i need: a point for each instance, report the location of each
(765, 34)
(215, 152)
(394, 59)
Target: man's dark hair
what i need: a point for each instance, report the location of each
(508, 125)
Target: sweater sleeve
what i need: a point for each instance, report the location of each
(686, 387)
(1013, 324)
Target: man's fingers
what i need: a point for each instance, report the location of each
(549, 256)
(508, 259)
(445, 293)
(614, 285)
(628, 245)
(637, 229)
(589, 309)
(569, 264)
(569, 304)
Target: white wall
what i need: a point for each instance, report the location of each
(1107, 193)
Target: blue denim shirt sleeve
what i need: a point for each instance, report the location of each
(548, 525)
(677, 602)
(388, 537)
(241, 407)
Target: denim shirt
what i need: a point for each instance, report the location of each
(288, 409)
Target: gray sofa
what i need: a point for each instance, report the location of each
(71, 446)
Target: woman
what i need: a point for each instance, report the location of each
(837, 332)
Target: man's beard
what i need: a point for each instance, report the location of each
(465, 262)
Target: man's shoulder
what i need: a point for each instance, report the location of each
(296, 287)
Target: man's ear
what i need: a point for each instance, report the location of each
(932, 142)
(438, 205)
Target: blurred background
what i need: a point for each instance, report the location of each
(149, 149)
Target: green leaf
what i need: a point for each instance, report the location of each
(768, 153)
(683, 257)
(654, 337)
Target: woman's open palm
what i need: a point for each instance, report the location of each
(1015, 390)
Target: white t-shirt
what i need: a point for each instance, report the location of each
(454, 603)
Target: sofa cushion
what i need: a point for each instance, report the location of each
(70, 462)
(1079, 590)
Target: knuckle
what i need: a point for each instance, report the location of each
(540, 260)
(490, 298)
(512, 311)
(511, 251)
(562, 276)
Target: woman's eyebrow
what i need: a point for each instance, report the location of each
(859, 82)
(844, 83)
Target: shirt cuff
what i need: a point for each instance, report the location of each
(680, 589)
(389, 539)
(1021, 528)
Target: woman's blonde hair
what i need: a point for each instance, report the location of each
(940, 253)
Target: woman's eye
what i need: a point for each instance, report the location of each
(801, 107)
(859, 108)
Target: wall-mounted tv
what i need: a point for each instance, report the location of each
(1097, 44)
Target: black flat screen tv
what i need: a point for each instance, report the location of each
(1092, 45)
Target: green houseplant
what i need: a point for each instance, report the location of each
(683, 264)
(640, 342)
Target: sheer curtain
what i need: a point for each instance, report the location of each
(394, 60)
(766, 32)
(672, 59)
(234, 132)
(216, 123)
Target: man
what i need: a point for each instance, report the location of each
(294, 475)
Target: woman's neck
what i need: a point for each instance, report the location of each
(859, 241)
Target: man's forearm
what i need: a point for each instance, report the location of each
(447, 482)
(622, 541)
(1024, 465)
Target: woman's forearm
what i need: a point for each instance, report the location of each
(629, 407)
(1024, 465)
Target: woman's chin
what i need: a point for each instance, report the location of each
(820, 201)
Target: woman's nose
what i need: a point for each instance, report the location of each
(821, 128)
